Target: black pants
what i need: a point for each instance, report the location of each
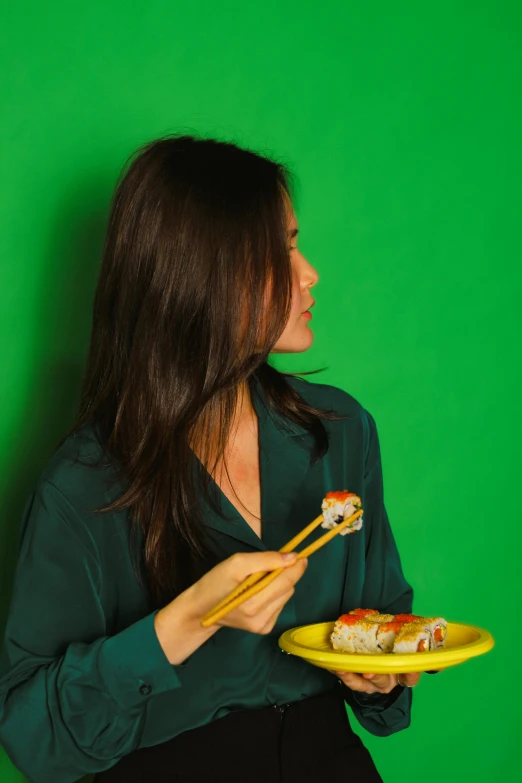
(309, 740)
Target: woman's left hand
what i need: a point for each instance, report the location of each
(376, 683)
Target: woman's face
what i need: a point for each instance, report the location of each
(297, 335)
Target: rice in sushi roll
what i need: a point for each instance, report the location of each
(386, 635)
(411, 638)
(369, 631)
(338, 506)
(437, 627)
(355, 634)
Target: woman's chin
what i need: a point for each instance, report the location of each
(297, 345)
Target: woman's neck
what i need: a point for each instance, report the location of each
(243, 421)
(245, 410)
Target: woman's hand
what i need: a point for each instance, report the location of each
(259, 614)
(178, 625)
(376, 683)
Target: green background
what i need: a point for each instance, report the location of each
(403, 124)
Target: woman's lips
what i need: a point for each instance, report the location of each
(307, 314)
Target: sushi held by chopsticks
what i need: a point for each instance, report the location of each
(337, 509)
(368, 631)
(338, 506)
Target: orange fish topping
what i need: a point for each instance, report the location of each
(350, 619)
(393, 625)
(407, 618)
(340, 495)
(363, 612)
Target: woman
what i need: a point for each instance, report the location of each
(191, 462)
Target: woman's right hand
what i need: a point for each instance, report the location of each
(178, 625)
(259, 614)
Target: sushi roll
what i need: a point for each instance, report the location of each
(437, 627)
(338, 506)
(387, 627)
(355, 634)
(412, 637)
(369, 631)
(386, 635)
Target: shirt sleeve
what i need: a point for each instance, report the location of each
(385, 588)
(72, 698)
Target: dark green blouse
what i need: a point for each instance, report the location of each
(84, 680)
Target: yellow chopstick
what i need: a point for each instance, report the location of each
(253, 578)
(256, 582)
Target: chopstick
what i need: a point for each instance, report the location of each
(253, 578)
(254, 583)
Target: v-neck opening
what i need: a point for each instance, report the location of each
(235, 512)
(284, 459)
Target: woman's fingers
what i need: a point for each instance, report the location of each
(273, 610)
(410, 679)
(217, 583)
(259, 614)
(376, 683)
(280, 586)
(381, 682)
(367, 683)
(354, 681)
(260, 618)
(243, 564)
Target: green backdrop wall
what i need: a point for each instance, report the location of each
(403, 124)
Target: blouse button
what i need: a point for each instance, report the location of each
(145, 690)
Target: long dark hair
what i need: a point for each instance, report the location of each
(197, 235)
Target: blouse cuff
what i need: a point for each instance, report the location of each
(376, 702)
(133, 665)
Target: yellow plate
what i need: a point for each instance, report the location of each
(312, 642)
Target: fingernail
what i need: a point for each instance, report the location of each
(369, 676)
(288, 556)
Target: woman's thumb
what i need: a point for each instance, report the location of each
(252, 563)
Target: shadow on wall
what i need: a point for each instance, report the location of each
(69, 269)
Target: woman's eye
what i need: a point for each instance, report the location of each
(293, 248)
